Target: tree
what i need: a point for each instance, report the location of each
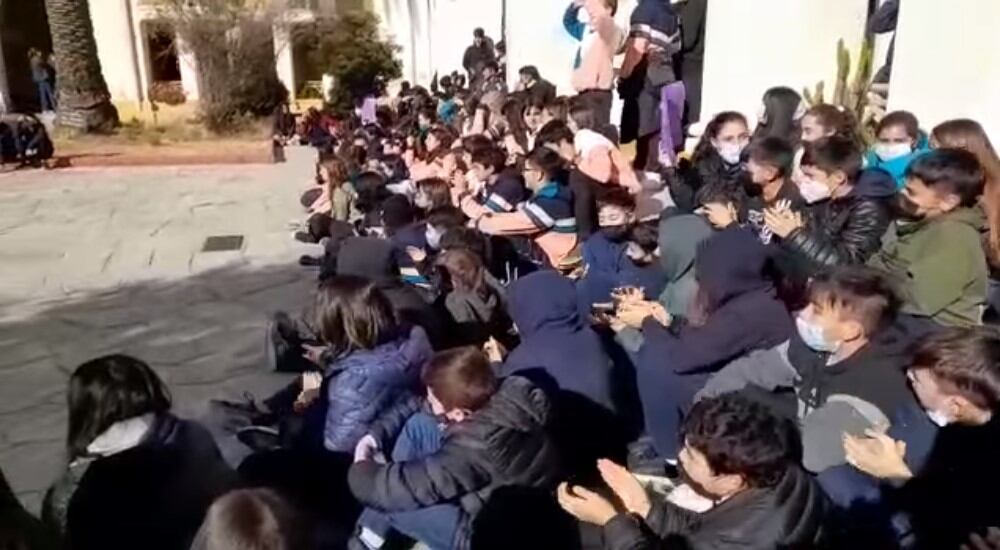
(84, 100)
(233, 45)
(350, 49)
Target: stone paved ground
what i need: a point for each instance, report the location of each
(101, 261)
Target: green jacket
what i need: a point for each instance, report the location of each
(939, 265)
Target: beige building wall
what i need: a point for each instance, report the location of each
(947, 62)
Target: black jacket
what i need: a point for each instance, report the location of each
(153, 496)
(844, 231)
(787, 516)
(543, 91)
(502, 444)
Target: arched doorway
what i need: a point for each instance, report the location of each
(23, 26)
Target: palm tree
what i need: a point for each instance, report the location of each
(84, 100)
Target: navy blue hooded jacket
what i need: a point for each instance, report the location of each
(744, 312)
(554, 338)
(609, 267)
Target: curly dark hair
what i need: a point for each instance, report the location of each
(740, 436)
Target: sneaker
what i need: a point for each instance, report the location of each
(310, 261)
(259, 438)
(304, 237)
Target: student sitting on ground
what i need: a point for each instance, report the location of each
(546, 218)
(937, 473)
(138, 476)
(737, 311)
(900, 142)
(490, 189)
(769, 167)
(845, 364)
(716, 162)
(474, 302)
(740, 460)
(253, 518)
(847, 216)
(935, 253)
(437, 479)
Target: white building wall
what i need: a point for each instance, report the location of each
(114, 38)
(452, 24)
(947, 62)
(754, 45)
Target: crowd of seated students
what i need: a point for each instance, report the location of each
(519, 340)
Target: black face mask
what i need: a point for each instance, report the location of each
(616, 233)
(905, 209)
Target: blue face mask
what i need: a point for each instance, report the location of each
(812, 334)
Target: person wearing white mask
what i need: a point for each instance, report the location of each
(900, 142)
(844, 365)
(717, 161)
(943, 482)
(848, 213)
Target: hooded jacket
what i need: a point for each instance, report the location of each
(788, 515)
(680, 238)
(153, 495)
(744, 313)
(503, 444)
(362, 385)
(608, 267)
(939, 266)
(544, 308)
(375, 260)
(843, 231)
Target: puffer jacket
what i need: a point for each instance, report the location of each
(366, 383)
(503, 444)
(789, 515)
(844, 231)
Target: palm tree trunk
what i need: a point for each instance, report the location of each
(84, 100)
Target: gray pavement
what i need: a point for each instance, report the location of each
(108, 260)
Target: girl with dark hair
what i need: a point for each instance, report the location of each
(138, 477)
(717, 160)
(473, 301)
(516, 141)
(825, 120)
(780, 112)
(899, 142)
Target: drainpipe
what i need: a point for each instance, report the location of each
(140, 93)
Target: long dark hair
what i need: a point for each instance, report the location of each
(513, 112)
(107, 390)
(351, 314)
(705, 148)
(780, 106)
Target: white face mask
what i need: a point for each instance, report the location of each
(730, 152)
(891, 151)
(939, 418)
(813, 336)
(813, 191)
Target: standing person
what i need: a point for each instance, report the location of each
(138, 476)
(477, 56)
(593, 68)
(536, 87)
(654, 38)
(693, 14)
(41, 74)
(935, 252)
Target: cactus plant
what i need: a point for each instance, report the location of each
(850, 94)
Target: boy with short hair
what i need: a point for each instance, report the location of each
(845, 365)
(493, 190)
(935, 252)
(492, 434)
(849, 212)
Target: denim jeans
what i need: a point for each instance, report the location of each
(435, 525)
(46, 96)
